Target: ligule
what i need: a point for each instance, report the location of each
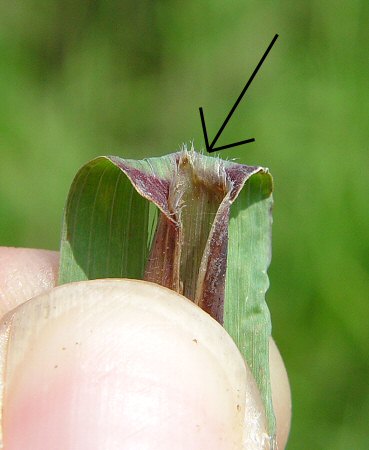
(187, 237)
(198, 225)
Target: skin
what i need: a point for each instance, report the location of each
(110, 364)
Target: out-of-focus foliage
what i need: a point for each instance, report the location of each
(80, 79)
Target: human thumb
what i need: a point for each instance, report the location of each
(123, 364)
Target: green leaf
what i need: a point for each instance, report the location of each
(108, 223)
(102, 215)
(196, 224)
(246, 315)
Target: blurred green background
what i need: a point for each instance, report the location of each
(82, 78)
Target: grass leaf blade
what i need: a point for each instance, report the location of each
(246, 315)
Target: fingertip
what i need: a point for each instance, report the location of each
(281, 394)
(122, 364)
(25, 273)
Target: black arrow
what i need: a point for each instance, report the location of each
(210, 148)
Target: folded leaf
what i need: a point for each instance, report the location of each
(195, 224)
